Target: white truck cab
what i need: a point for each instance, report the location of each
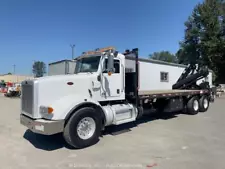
(48, 103)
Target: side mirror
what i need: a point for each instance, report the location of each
(110, 63)
(99, 78)
(115, 53)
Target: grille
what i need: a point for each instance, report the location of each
(27, 98)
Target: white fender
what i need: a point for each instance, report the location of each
(64, 106)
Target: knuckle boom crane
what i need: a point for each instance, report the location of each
(190, 76)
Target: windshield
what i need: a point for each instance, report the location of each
(87, 64)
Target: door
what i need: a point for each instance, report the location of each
(112, 84)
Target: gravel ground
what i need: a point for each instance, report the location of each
(172, 142)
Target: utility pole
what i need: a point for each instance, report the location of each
(32, 73)
(72, 46)
(14, 69)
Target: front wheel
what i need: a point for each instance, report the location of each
(83, 128)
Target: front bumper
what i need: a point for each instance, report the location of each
(42, 126)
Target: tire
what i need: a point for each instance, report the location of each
(212, 98)
(193, 106)
(71, 133)
(203, 104)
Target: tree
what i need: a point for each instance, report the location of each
(204, 41)
(164, 56)
(39, 68)
(9, 73)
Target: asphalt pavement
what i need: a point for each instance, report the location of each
(161, 142)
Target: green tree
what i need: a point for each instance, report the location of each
(204, 41)
(39, 69)
(9, 73)
(164, 56)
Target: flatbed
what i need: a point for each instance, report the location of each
(169, 93)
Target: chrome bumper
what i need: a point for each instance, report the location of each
(42, 126)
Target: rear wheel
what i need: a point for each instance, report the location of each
(83, 128)
(203, 104)
(193, 106)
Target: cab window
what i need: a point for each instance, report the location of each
(116, 65)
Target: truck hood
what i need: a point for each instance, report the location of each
(66, 77)
(51, 88)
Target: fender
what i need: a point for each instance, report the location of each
(65, 106)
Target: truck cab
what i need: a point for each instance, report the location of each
(105, 86)
(91, 81)
(98, 85)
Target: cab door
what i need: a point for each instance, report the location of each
(111, 84)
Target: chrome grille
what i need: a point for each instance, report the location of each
(27, 98)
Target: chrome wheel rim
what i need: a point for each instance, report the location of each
(86, 128)
(205, 103)
(196, 105)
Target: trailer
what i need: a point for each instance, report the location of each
(61, 67)
(102, 93)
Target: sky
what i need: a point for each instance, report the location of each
(42, 30)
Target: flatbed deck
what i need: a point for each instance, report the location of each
(169, 93)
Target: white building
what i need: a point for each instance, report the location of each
(15, 78)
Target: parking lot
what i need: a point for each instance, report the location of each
(166, 142)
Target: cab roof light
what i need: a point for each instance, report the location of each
(99, 50)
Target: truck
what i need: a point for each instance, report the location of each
(102, 92)
(14, 90)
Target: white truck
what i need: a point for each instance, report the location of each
(101, 93)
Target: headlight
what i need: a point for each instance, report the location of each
(45, 110)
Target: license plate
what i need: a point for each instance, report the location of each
(39, 127)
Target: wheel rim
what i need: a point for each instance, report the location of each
(205, 103)
(196, 105)
(86, 128)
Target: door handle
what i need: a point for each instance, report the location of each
(123, 78)
(118, 91)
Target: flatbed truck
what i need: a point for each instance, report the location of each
(101, 93)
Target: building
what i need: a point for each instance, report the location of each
(61, 67)
(14, 78)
